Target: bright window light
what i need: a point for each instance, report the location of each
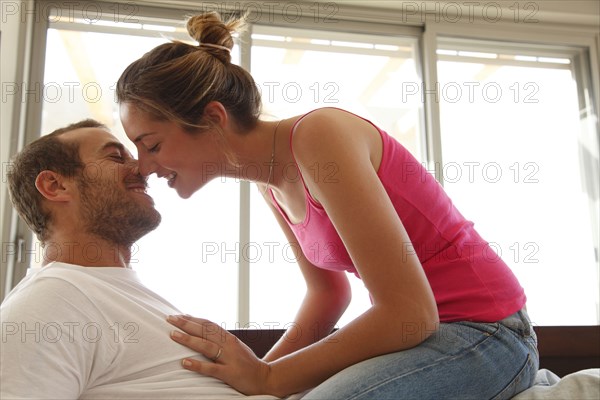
(477, 54)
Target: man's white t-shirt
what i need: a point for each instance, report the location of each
(71, 332)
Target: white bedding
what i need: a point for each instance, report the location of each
(581, 385)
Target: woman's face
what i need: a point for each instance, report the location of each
(188, 161)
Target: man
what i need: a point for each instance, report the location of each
(83, 326)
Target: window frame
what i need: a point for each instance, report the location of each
(304, 23)
(351, 19)
(580, 45)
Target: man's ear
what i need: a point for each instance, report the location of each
(216, 112)
(53, 186)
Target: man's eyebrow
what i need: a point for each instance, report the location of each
(143, 135)
(118, 145)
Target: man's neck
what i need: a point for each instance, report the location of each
(86, 251)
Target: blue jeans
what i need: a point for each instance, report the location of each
(461, 360)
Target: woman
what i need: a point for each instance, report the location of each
(447, 318)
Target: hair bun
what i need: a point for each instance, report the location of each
(209, 29)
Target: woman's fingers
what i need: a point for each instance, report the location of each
(203, 367)
(231, 361)
(209, 349)
(201, 335)
(199, 327)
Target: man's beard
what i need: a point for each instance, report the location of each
(110, 213)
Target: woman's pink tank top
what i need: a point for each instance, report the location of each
(469, 280)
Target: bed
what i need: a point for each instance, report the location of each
(569, 364)
(580, 385)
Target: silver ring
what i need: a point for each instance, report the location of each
(215, 358)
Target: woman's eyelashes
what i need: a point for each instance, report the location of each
(153, 149)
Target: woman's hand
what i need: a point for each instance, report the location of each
(230, 360)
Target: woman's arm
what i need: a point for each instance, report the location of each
(404, 312)
(327, 296)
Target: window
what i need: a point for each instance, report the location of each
(196, 268)
(517, 147)
(299, 70)
(513, 162)
(200, 270)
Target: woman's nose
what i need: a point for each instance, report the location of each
(145, 167)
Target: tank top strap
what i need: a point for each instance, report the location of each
(292, 131)
(384, 137)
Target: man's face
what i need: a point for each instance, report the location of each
(113, 200)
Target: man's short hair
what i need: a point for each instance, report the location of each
(45, 153)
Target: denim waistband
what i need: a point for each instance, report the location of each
(519, 322)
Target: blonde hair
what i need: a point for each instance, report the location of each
(175, 80)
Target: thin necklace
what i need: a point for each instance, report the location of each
(271, 163)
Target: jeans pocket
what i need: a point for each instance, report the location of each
(522, 381)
